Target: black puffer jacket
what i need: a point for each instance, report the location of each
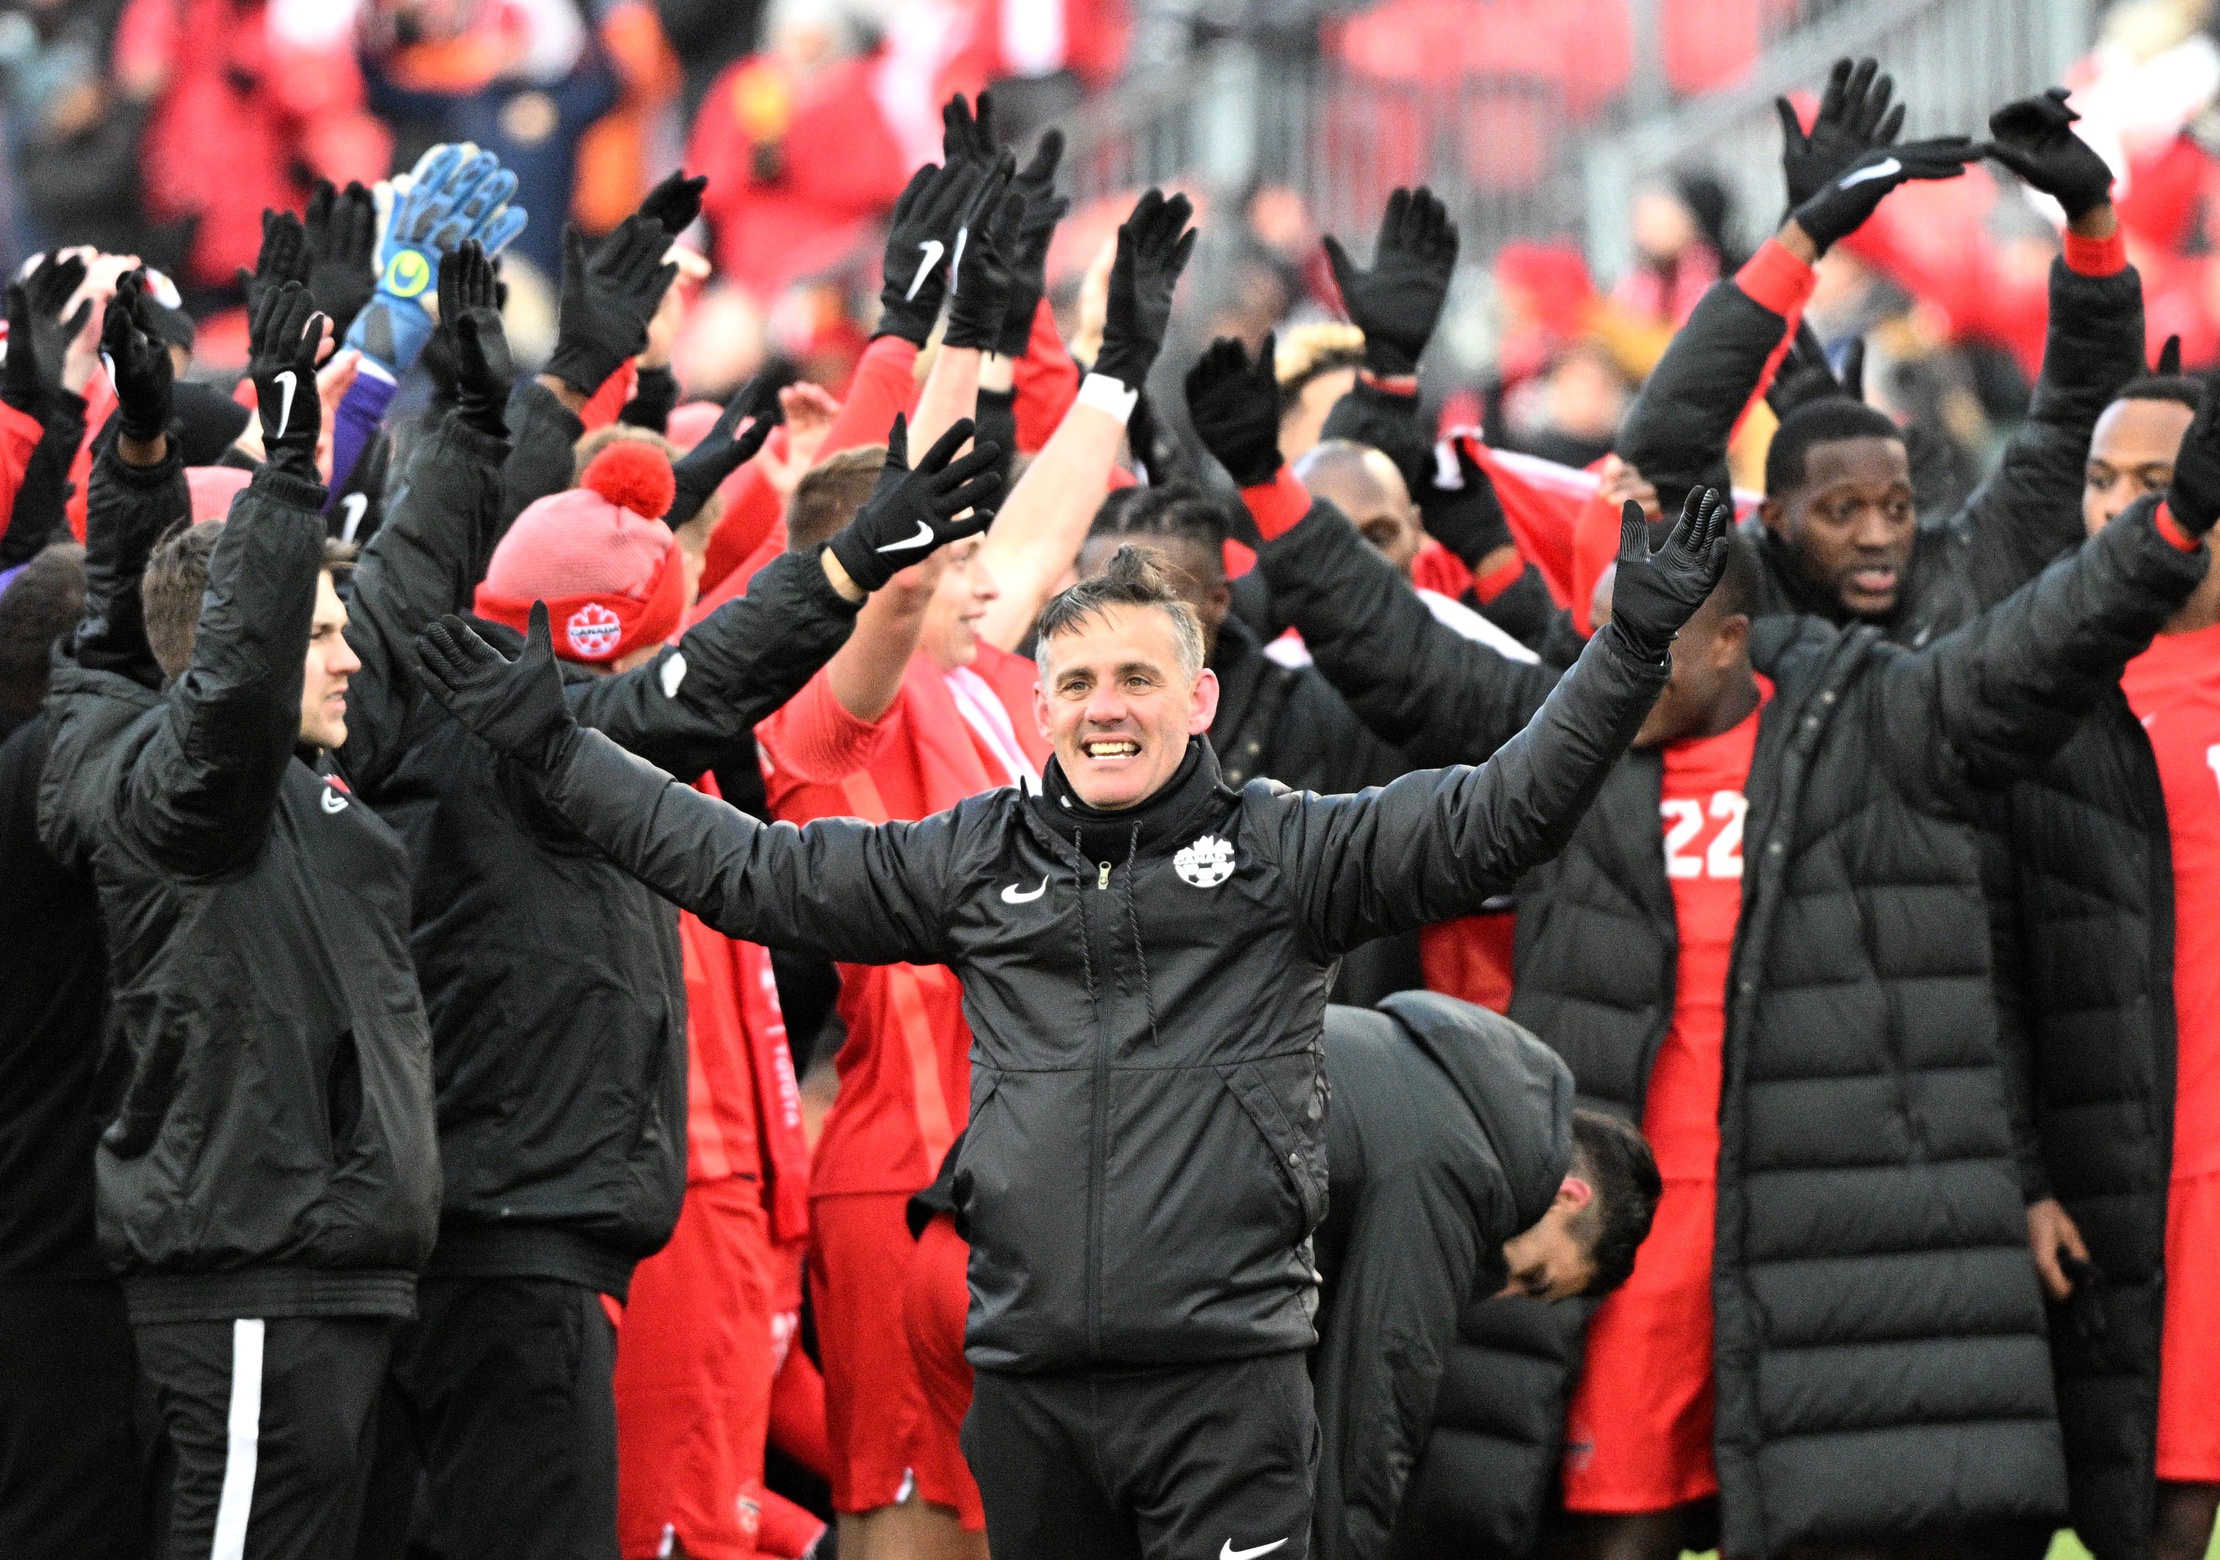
(2024, 515)
(1863, 933)
(553, 980)
(1192, 939)
(1450, 1131)
(272, 1153)
(2094, 855)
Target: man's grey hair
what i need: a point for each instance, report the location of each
(1135, 578)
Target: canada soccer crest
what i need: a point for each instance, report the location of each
(594, 631)
(1206, 863)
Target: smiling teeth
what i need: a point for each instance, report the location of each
(1112, 749)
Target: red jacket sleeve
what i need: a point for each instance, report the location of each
(1047, 383)
(811, 740)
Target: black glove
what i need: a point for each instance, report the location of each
(1027, 257)
(516, 707)
(1467, 519)
(138, 361)
(965, 137)
(1841, 205)
(1657, 592)
(918, 237)
(704, 468)
(1854, 117)
(1387, 420)
(608, 300)
(1397, 302)
(38, 336)
(342, 244)
(2193, 497)
(282, 258)
(912, 512)
(2034, 138)
(286, 332)
(1153, 246)
(2169, 358)
(1235, 408)
(978, 272)
(470, 312)
(1805, 375)
(676, 202)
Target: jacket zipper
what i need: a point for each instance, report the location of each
(1099, 1158)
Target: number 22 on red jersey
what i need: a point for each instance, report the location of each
(1704, 840)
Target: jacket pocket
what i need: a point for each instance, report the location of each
(1022, 1191)
(1285, 1096)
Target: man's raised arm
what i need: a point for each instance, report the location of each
(861, 894)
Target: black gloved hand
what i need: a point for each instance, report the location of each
(1028, 255)
(1841, 205)
(2034, 138)
(1805, 375)
(912, 512)
(1655, 593)
(2193, 497)
(965, 137)
(341, 233)
(608, 300)
(38, 336)
(978, 268)
(1153, 246)
(1397, 302)
(1854, 117)
(722, 451)
(470, 315)
(1387, 420)
(675, 202)
(918, 238)
(138, 361)
(516, 707)
(1235, 408)
(1467, 519)
(282, 258)
(286, 332)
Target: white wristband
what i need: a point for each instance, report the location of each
(1105, 394)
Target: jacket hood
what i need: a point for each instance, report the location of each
(1518, 1090)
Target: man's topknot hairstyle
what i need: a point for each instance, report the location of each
(1617, 1163)
(1828, 420)
(1135, 578)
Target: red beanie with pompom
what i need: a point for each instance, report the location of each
(599, 555)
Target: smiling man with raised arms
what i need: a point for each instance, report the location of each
(1145, 955)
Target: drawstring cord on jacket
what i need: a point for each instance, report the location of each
(1086, 949)
(1133, 921)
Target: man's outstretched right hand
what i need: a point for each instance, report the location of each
(517, 706)
(913, 512)
(1657, 592)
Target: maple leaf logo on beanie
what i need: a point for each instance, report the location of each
(593, 631)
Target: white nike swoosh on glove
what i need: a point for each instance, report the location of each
(1886, 168)
(286, 380)
(933, 249)
(923, 538)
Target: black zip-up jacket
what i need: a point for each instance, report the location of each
(1451, 1131)
(1879, 1336)
(272, 1150)
(553, 980)
(1147, 1153)
(2024, 515)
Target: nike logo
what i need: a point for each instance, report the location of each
(956, 264)
(1013, 895)
(354, 506)
(1228, 1552)
(332, 801)
(933, 249)
(923, 538)
(1886, 168)
(286, 380)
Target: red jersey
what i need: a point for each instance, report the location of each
(2174, 689)
(1638, 1431)
(905, 1071)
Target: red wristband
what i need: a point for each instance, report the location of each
(2096, 256)
(2170, 529)
(1496, 581)
(1388, 384)
(1277, 506)
(1775, 279)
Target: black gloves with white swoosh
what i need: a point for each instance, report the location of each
(911, 512)
(286, 332)
(918, 240)
(1841, 205)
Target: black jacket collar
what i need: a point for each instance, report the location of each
(1166, 818)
